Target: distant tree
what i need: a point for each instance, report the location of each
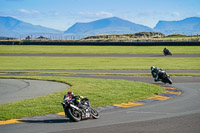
(28, 38)
(42, 38)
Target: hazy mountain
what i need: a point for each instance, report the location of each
(188, 26)
(12, 27)
(113, 25)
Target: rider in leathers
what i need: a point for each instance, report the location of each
(78, 100)
(166, 51)
(155, 73)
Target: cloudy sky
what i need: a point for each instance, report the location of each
(61, 14)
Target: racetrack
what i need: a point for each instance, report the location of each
(180, 114)
(150, 117)
(19, 89)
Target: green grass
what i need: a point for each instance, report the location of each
(98, 49)
(179, 36)
(101, 92)
(182, 36)
(106, 63)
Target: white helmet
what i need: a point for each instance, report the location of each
(153, 68)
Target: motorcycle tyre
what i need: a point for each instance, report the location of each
(94, 113)
(68, 112)
(168, 80)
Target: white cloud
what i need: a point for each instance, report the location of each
(29, 11)
(96, 14)
(24, 11)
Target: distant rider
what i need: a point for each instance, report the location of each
(166, 51)
(155, 73)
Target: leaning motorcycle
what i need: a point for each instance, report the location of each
(164, 77)
(75, 113)
(167, 52)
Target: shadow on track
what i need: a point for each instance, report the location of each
(48, 121)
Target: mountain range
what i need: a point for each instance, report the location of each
(11, 27)
(113, 25)
(188, 26)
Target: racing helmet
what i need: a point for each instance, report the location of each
(70, 93)
(152, 68)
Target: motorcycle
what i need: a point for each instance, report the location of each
(163, 76)
(167, 52)
(75, 113)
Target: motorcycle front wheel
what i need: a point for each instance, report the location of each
(168, 80)
(94, 113)
(73, 114)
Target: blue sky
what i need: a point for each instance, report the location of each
(61, 14)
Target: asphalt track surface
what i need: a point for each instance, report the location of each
(180, 114)
(106, 71)
(19, 89)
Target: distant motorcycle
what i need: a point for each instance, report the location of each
(75, 113)
(167, 52)
(160, 75)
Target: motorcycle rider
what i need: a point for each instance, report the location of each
(78, 100)
(155, 72)
(166, 51)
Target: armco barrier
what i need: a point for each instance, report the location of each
(101, 43)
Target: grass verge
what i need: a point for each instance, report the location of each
(101, 92)
(95, 63)
(32, 49)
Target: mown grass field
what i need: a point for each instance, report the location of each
(101, 92)
(94, 63)
(98, 49)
